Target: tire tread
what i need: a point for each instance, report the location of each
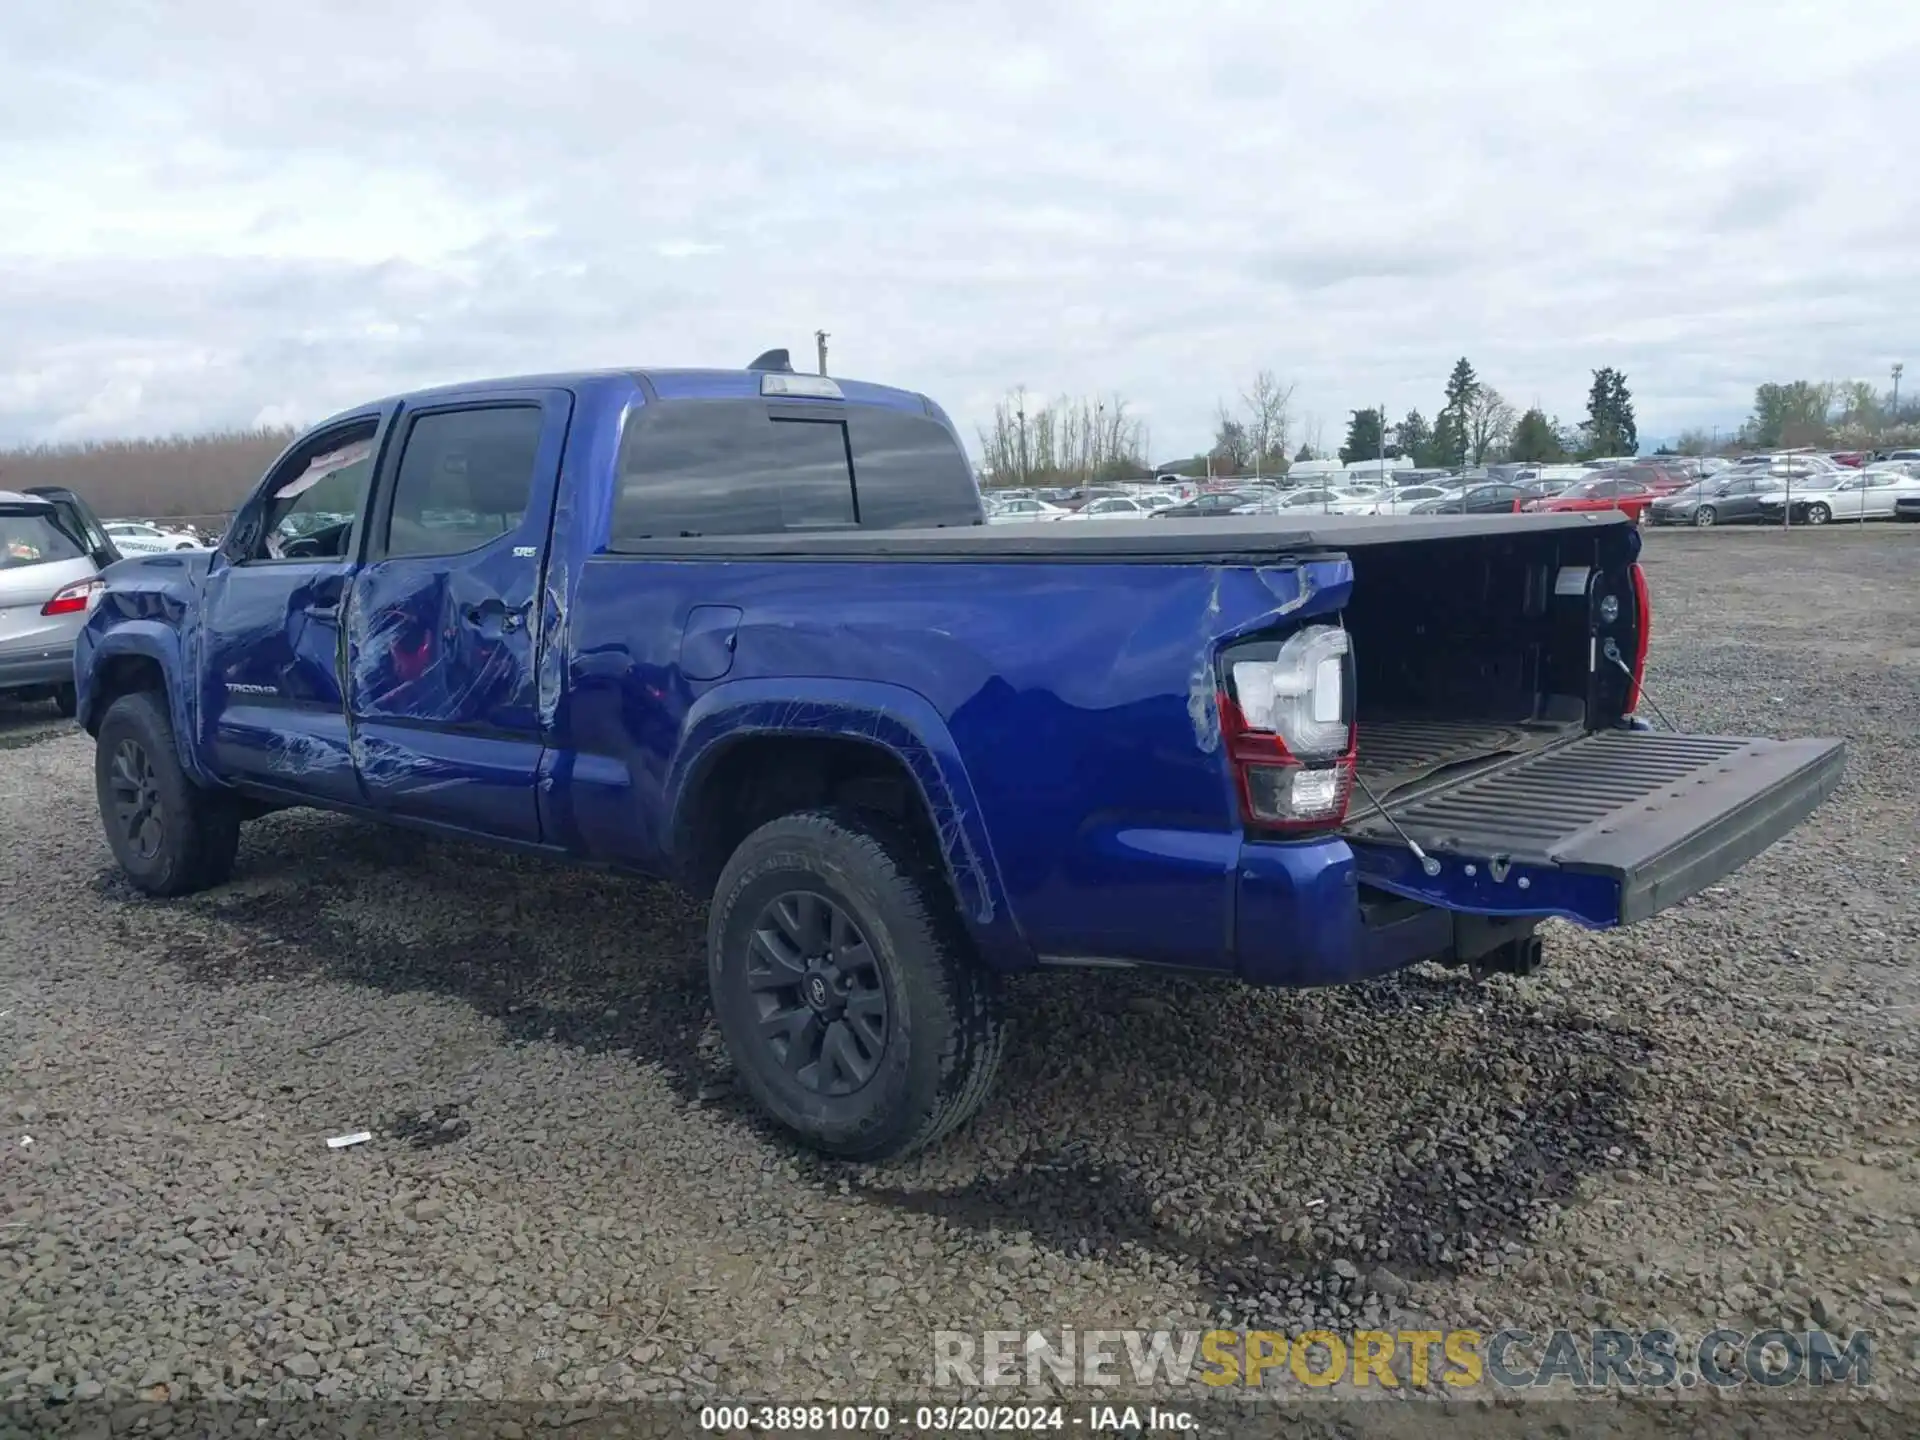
(971, 1021)
(207, 837)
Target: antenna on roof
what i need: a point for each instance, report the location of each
(773, 360)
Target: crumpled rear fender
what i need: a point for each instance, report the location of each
(897, 720)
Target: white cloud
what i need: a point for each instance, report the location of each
(215, 213)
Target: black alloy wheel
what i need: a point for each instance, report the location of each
(853, 1003)
(817, 987)
(171, 836)
(138, 809)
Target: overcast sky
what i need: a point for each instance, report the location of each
(216, 213)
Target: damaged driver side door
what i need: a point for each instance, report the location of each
(443, 621)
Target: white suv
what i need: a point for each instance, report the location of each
(48, 585)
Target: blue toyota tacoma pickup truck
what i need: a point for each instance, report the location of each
(747, 629)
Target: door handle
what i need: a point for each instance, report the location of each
(323, 612)
(510, 619)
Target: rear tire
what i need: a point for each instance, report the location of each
(897, 1043)
(171, 836)
(1705, 516)
(66, 701)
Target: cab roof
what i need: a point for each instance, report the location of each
(658, 384)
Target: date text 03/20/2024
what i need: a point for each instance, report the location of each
(953, 1419)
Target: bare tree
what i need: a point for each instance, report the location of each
(1266, 403)
(1489, 422)
(1232, 451)
(1070, 440)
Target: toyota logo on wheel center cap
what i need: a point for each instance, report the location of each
(817, 991)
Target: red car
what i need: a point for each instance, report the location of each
(1607, 492)
(1657, 478)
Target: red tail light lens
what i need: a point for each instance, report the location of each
(1287, 726)
(74, 598)
(1643, 632)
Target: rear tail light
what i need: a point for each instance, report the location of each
(1286, 718)
(1643, 632)
(74, 598)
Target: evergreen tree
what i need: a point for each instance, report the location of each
(1609, 427)
(1364, 438)
(1534, 439)
(1415, 438)
(1451, 431)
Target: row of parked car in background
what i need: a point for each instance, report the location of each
(151, 537)
(1782, 487)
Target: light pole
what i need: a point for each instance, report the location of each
(1023, 447)
(1894, 415)
(820, 344)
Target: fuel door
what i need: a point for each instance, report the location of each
(707, 644)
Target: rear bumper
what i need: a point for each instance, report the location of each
(46, 665)
(1299, 920)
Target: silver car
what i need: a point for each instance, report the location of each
(49, 580)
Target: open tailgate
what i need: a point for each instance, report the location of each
(1607, 828)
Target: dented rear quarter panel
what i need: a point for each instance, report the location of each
(1072, 769)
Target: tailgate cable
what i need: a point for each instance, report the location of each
(1428, 865)
(1611, 651)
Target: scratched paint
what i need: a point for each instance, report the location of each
(962, 840)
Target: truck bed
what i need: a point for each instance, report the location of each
(1397, 754)
(1226, 539)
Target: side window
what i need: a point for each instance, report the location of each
(464, 479)
(910, 471)
(729, 467)
(314, 498)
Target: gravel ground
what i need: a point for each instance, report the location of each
(1711, 1119)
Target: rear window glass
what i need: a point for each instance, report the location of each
(909, 471)
(729, 467)
(33, 539)
(743, 467)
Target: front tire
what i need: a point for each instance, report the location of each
(1818, 514)
(1705, 516)
(847, 991)
(171, 836)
